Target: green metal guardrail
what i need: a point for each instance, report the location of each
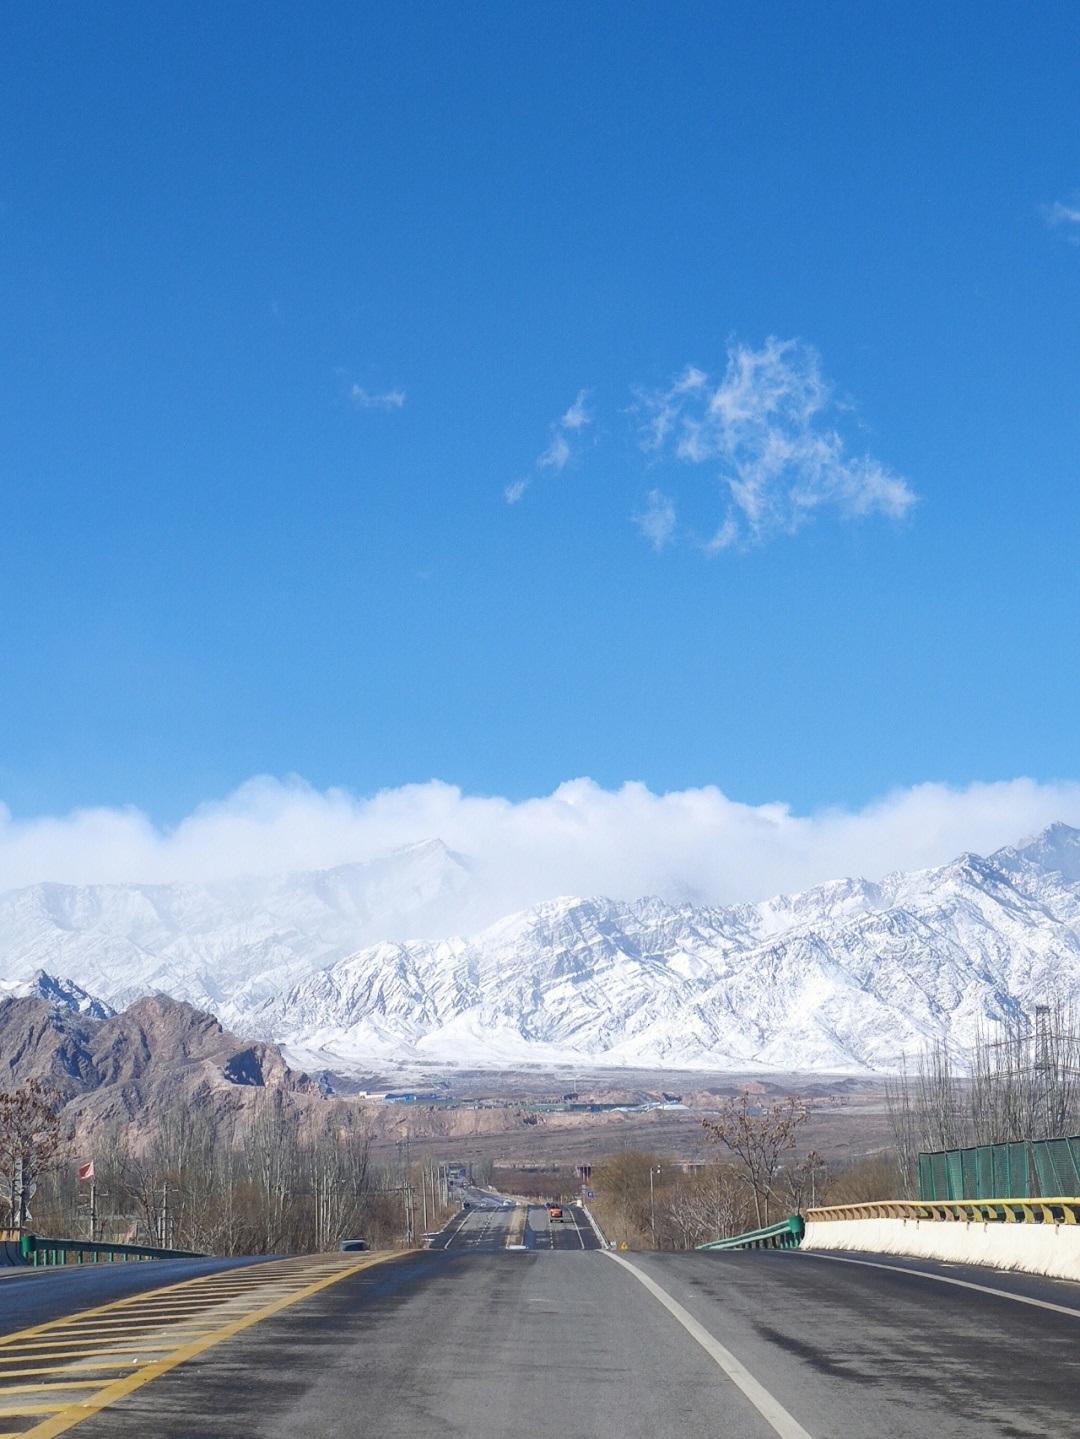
(38, 1251)
(785, 1235)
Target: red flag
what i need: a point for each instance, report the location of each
(85, 1171)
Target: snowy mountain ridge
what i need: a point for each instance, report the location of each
(849, 975)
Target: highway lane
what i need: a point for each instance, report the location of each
(572, 1232)
(485, 1227)
(498, 1344)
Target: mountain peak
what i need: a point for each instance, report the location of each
(1054, 850)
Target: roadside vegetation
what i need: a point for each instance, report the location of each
(759, 1176)
(686, 1207)
(1019, 1081)
(286, 1185)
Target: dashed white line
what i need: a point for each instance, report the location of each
(770, 1409)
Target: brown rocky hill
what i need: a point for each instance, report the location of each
(129, 1067)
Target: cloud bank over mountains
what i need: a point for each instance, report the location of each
(695, 845)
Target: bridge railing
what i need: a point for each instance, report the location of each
(784, 1235)
(36, 1250)
(1064, 1210)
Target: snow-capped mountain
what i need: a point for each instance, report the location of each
(849, 975)
(62, 994)
(224, 947)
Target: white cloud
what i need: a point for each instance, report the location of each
(771, 427)
(559, 450)
(726, 536)
(556, 454)
(657, 520)
(577, 415)
(691, 844)
(1066, 217)
(365, 400)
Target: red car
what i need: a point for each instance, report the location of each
(554, 1212)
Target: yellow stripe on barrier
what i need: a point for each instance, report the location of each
(1057, 1210)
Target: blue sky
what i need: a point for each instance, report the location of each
(402, 392)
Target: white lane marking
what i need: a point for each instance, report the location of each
(770, 1409)
(948, 1279)
(577, 1228)
(457, 1231)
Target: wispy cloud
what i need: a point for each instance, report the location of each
(657, 520)
(366, 400)
(577, 416)
(772, 428)
(1066, 218)
(560, 448)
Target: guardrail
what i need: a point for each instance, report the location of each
(981, 1211)
(785, 1235)
(35, 1250)
(602, 1239)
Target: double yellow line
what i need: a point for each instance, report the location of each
(54, 1375)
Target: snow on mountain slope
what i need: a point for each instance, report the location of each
(848, 975)
(224, 947)
(62, 994)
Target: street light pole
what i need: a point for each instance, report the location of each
(652, 1202)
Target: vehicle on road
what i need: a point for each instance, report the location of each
(352, 1246)
(554, 1211)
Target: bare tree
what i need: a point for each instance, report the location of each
(1025, 1078)
(758, 1135)
(29, 1141)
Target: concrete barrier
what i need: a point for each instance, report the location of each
(515, 1235)
(1052, 1250)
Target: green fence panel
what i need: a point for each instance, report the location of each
(954, 1169)
(926, 1175)
(1000, 1182)
(969, 1173)
(1041, 1168)
(984, 1171)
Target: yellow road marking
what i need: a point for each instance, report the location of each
(74, 1325)
(65, 1416)
(18, 1409)
(76, 1382)
(82, 1353)
(42, 1348)
(8, 1340)
(88, 1368)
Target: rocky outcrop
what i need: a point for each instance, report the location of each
(125, 1068)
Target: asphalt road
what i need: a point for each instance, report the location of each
(496, 1344)
(485, 1227)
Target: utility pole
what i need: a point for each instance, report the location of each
(653, 1169)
